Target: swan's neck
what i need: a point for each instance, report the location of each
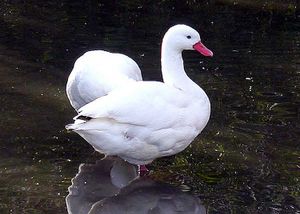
(173, 70)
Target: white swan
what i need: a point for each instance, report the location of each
(96, 73)
(144, 120)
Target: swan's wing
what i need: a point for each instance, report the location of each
(151, 104)
(96, 73)
(127, 66)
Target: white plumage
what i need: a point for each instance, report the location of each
(98, 72)
(143, 120)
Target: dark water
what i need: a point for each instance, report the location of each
(247, 160)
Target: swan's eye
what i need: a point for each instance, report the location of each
(189, 37)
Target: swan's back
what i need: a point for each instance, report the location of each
(96, 73)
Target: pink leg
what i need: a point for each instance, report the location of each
(142, 169)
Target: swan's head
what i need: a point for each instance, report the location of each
(182, 37)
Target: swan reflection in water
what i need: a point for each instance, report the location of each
(112, 186)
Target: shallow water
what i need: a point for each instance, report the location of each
(245, 161)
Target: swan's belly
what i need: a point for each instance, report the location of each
(143, 146)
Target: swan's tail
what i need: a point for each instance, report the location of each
(77, 123)
(70, 127)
